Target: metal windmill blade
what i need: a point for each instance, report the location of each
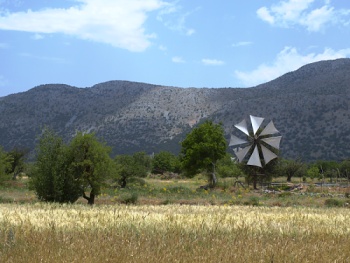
(259, 146)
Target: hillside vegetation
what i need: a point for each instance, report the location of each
(310, 108)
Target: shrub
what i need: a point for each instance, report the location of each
(5, 200)
(129, 198)
(284, 194)
(331, 202)
(253, 201)
(136, 181)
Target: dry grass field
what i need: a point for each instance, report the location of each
(40, 232)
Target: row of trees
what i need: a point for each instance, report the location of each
(64, 172)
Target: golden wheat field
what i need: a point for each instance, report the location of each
(172, 233)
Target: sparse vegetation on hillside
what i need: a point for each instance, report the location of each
(309, 107)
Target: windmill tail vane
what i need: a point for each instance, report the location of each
(260, 144)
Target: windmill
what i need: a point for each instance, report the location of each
(259, 146)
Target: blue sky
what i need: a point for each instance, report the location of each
(182, 43)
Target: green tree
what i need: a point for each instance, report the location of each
(50, 176)
(165, 162)
(325, 166)
(90, 164)
(63, 173)
(4, 165)
(344, 168)
(131, 166)
(124, 168)
(290, 168)
(202, 148)
(226, 167)
(17, 161)
(143, 164)
(327, 169)
(313, 172)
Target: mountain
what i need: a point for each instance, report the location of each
(309, 106)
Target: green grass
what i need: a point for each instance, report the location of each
(156, 191)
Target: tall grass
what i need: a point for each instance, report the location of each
(172, 233)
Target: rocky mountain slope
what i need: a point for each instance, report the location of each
(310, 107)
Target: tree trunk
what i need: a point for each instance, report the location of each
(214, 180)
(14, 177)
(122, 182)
(255, 181)
(91, 199)
(289, 178)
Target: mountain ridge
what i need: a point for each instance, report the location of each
(309, 106)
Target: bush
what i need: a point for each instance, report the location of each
(136, 181)
(253, 201)
(284, 194)
(129, 198)
(165, 162)
(333, 202)
(5, 200)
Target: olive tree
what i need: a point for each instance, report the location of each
(90, 164)
(4, 165)
(227, 167)
(291, 168)
(16, 161)
(202, 148)
(50, 176)
(130, 166)
(165, 162)
(62, 173)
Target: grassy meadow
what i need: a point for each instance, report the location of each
(172, 221)
(172, 233)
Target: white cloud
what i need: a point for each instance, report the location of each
(300, 12)
(265, 15)
(318, 17)
(242, 43)
(37, 37)
(287, 60)
(119, 23)
(162, 48)
(173, 18)
(178, 60)
(190, 32)
(212, 62)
